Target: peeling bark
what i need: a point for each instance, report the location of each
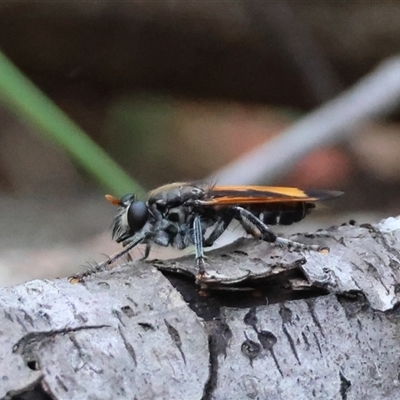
(285, 325)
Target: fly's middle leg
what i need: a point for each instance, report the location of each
(198, 243)
(257, 228)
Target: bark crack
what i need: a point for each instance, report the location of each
(211, 382)
(344, 385)
(176, 338)
(128, 346)
(31, 339)
(291, 342)
(310, 304)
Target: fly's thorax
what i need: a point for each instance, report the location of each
(175, 194)
(178, 215)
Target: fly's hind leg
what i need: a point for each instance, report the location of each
(249, 221)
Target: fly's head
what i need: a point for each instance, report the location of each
(131, 216)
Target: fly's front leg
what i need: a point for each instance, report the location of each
(146, 251)
(248, 220)
(198, 243)
(137, 239)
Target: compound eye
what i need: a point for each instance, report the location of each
(137, 215)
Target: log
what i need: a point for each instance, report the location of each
(273, 324)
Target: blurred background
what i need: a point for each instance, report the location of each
(175, 91)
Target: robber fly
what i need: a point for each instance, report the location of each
(181, 214)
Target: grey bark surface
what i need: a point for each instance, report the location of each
(272, 325)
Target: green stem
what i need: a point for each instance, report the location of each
(23, 98)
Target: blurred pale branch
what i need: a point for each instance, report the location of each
(24, 99)
(375, 95)
(294, 42)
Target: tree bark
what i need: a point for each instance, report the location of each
(273, 325)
